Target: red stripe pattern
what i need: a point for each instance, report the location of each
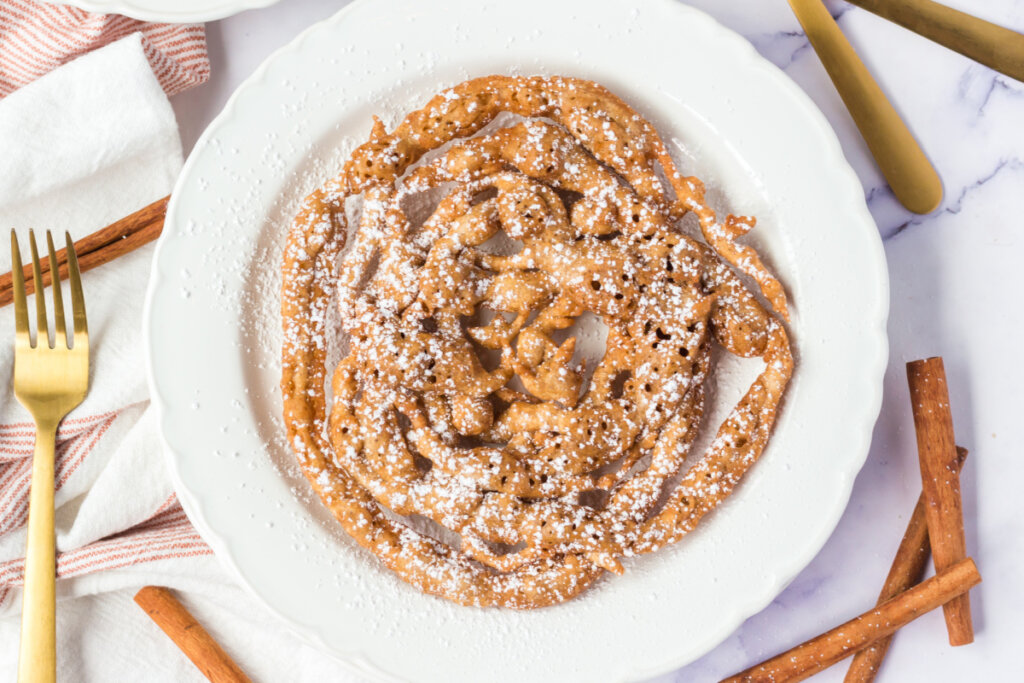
(36, 38)
(166, 534)
(17, 441)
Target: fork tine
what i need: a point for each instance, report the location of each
(42, 332)
(60, 335)
(20, 305)
(77, 298)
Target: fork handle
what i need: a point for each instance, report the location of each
(37, 660)
(910, 174)
(990, 44)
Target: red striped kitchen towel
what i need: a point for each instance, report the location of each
(166, 534)
(36, 37)
(83, 145)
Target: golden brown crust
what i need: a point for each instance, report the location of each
(419, 426)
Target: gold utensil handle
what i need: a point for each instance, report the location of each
(37, 660)
(902, 161)
(990, 44)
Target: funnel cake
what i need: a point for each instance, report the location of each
(457, 403)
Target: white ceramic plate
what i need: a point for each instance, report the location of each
(173, 11)
(212, 324)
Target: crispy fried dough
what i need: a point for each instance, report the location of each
(419, 426)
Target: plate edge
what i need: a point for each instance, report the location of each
(875, 369)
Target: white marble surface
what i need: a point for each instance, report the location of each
(956, 281)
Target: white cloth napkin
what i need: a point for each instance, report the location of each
(82, 146)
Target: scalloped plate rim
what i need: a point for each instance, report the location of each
(356, 660)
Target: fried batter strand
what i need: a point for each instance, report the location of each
(551, 483)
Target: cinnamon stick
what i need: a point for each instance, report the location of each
(907, 570)
(190, 637)
(102, 246)
(819, 653)
(936, 450)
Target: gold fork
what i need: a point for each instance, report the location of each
(49, 382)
